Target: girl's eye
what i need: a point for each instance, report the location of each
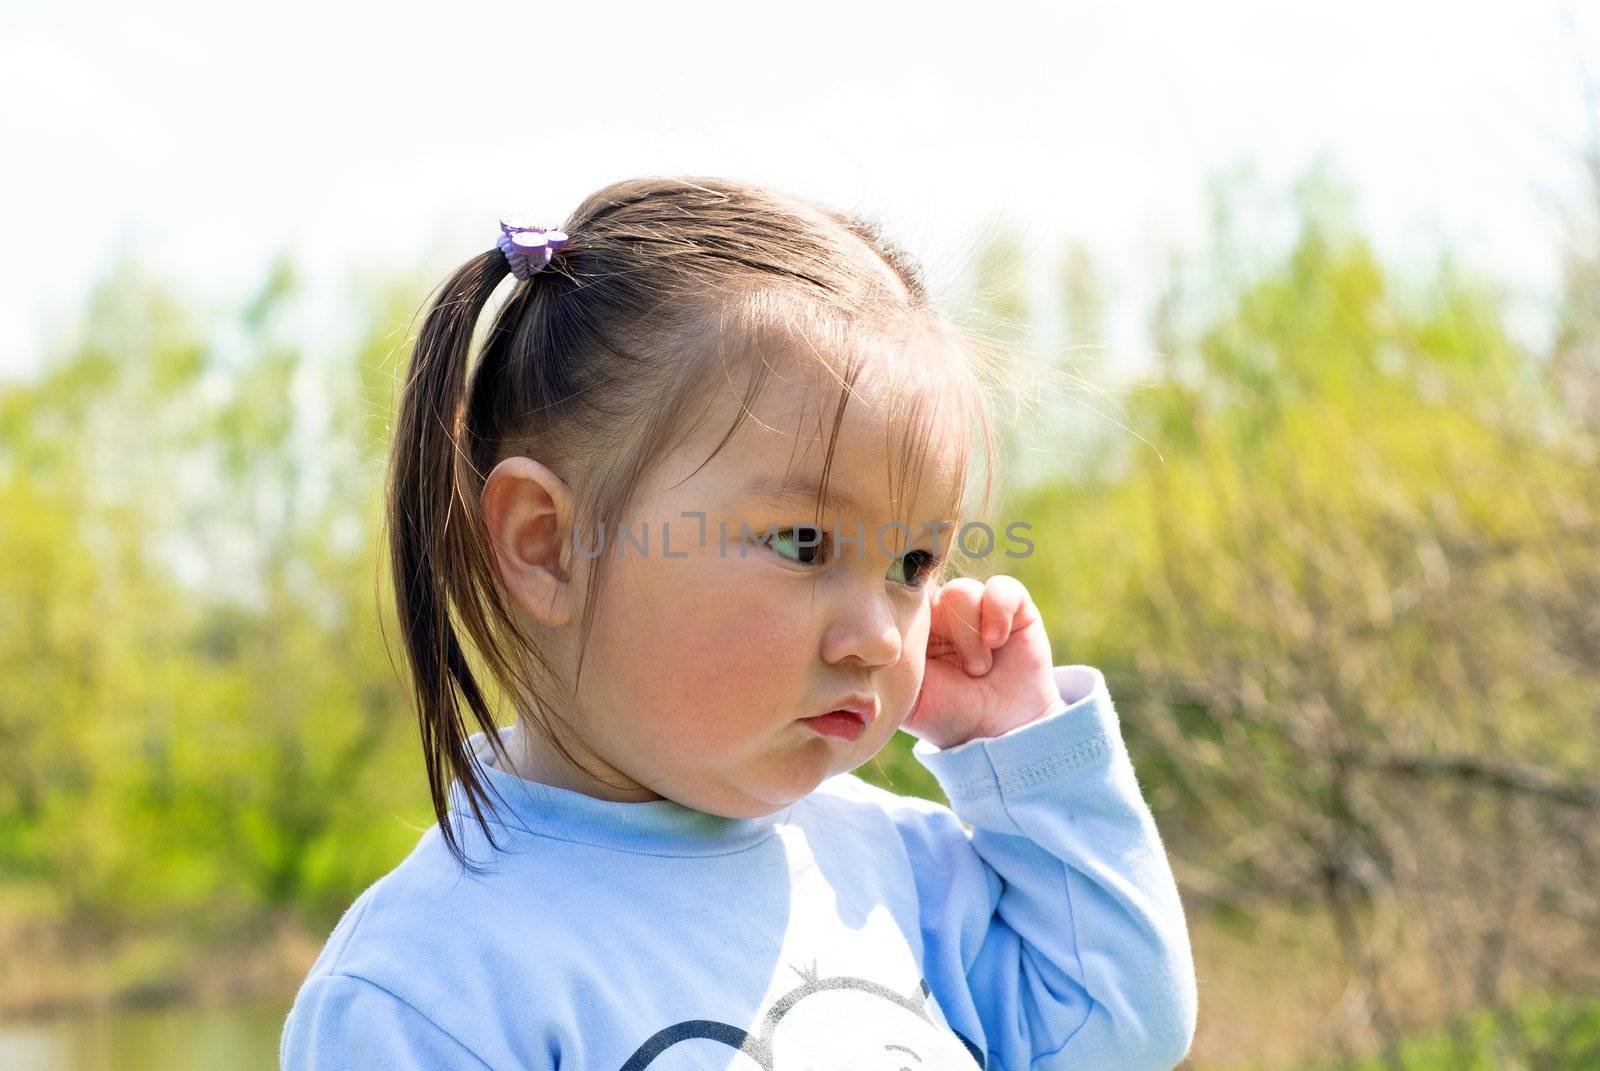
(805, 543)
(916, 567)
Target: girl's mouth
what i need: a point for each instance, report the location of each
(839, 723)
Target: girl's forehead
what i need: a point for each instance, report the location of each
(879, 385)
(886, 448)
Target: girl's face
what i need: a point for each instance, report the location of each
(705, 658)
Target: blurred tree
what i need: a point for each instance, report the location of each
(201, 719)
(1347, 601)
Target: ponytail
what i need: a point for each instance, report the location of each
(434, 528)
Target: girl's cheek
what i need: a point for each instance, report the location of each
(759, 619)
(917, 634)
(728, 680)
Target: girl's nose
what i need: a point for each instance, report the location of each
(864, 628)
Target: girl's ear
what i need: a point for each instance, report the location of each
(528, 512)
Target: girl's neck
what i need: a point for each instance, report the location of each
(535, 758)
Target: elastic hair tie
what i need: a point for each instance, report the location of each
(528, 246)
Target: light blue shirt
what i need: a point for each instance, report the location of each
(855, 928)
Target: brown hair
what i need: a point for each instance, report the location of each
(594, 366)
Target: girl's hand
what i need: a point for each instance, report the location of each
(988, 666)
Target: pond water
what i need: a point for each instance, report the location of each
(243, 1037)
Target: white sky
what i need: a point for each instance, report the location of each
(208, 136)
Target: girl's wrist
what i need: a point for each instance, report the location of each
(1052, 707)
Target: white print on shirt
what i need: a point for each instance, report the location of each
(840, 1023)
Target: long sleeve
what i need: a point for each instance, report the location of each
(342, 1021)
(1059, 907)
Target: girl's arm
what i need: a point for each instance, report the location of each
(1059, 908)
(344, 1021)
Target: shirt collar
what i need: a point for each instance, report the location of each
(522, 809)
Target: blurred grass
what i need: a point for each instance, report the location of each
(1547, 1033)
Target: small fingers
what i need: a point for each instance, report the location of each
(958, 614)
(1003, 598)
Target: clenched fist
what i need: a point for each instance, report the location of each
(988, 667)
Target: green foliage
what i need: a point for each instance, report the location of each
(1278, 566)
(198, 713)
(1342, 581)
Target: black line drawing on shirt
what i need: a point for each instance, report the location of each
(826, 1024)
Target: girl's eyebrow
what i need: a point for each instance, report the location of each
(770, 489)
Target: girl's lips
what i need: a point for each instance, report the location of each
(839, 723)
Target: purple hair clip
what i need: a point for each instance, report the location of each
(528, 246)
